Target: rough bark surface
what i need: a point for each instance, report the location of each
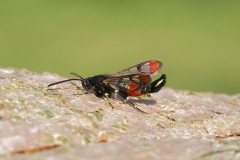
(64, 123)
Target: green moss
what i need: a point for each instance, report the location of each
(22, 100)
(86, 139)
(62, 139)
(61, 150)
(10, 87)
(85, 134)
(37, 88)
(56, 138)
(121, 127)
(160, 126)
(3, 155)
(46, 113)
(76, 111)
(98, 115)
(59, 96)
(15, 117)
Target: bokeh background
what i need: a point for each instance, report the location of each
(197, 41)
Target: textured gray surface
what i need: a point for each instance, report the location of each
(63, 123)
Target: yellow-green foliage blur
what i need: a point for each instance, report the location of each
(197, 41)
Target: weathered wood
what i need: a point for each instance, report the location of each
(64, 123)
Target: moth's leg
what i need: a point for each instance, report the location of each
(99, 92)
(82, 90)
(106, 95)
(124, 96)
(103, 90)
(111, 91)
(130, 102)
(114, 94)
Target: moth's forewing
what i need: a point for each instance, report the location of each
(148, 67)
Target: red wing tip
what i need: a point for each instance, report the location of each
(154, 66)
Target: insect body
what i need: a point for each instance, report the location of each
(133, 81)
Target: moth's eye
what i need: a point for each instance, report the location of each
(86, 84)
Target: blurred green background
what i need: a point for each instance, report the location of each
(197, 41)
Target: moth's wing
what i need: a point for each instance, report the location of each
(128, 83)
(151, 67)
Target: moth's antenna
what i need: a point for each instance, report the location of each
(77, 75)
(73, 79)
(80, 78)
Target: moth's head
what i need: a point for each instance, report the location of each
(86, 83)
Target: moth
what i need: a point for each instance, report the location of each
(134, 81)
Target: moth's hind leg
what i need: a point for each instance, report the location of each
(130, 102)
(123, 97)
